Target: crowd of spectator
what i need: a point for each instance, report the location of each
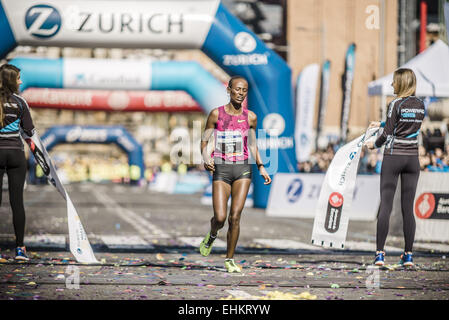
(434, 153)
(432, 160)
(370, 161)
(433, 157)
(435, 160)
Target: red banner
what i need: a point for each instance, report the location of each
(109, 100)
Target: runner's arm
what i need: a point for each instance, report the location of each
(252, 146)
(206, 136)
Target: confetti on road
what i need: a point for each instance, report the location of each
(276, 295)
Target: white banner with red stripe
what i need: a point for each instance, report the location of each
(334, 203)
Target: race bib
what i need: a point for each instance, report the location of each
(229, 143)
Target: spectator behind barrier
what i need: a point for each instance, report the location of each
(433, 157)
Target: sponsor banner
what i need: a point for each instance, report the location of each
(108, 100)
(79, 243)
(336, 194)
(446, 17)
(140, 24)
(245, 59)
(347, 91)
(431, 207)
(324, 93)
(295, 195)
(107, 74)
(306, 87)
(270, 142)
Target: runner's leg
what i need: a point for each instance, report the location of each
(240, 189)
(220, 196)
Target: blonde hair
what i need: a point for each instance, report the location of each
(405, 82)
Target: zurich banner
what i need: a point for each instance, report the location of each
(295, 195)
(347, 91)
(170, 24)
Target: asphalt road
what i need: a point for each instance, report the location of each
(146, 244)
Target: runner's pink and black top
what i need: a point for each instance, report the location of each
(231, 136)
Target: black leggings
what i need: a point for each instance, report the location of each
(392, 167)
(12, 161)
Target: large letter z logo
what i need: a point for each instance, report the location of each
(42, 21)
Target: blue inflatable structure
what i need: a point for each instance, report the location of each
(205, 25)
(97, 134)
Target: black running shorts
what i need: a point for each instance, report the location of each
(228, 172)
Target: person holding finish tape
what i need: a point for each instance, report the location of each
(14, 117)
(400, 136)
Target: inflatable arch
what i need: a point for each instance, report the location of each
(97, 134)
(195, 24)
(123, 74)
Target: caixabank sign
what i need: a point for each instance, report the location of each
(432, 206)
(333, 212)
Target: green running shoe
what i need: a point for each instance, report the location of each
(206, 244)
(231, 266)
